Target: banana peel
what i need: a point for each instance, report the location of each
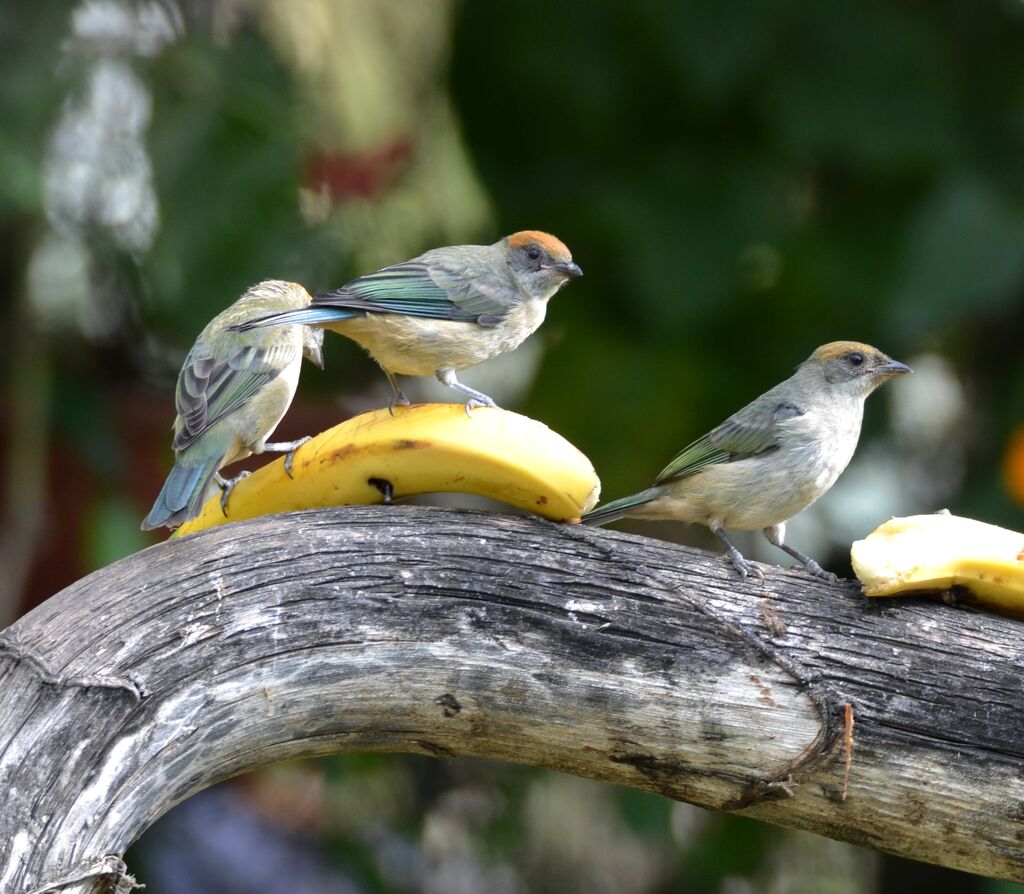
(963, 559)
(425, 448)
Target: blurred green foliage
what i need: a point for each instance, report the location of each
(742, 182)
(226, 148)
(28, 99)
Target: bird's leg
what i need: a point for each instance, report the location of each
(227, 485)
(476, 398)
(286, 447)
(744, 567)
(776, 537)
(385, 487)
(397, 395)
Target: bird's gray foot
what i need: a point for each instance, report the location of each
(775, 536)
(475, 402)
(397, 395)
(288, 448)
(742, 566)
(398, 399)
(227, 485)
(814, 569)
(385, 487)
(476, 398)
(745, 568)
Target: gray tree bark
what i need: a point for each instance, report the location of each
(892, 724)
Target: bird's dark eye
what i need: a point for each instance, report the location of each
(533, 253)
(855, 359)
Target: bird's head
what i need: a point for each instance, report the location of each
(853, 368)
(540, 262)
(313, 345)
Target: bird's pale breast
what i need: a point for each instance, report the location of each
(419, 346)
(764, 490)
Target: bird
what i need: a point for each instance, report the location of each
(445, 310)
(772, 459)
(232, 391)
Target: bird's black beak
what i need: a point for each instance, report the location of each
(890, 369)
(568, 268)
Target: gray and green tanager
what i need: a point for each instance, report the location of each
(446, 310)
(232, 392)
(770, 460)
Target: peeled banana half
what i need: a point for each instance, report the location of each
(977, 562)
(425, 448)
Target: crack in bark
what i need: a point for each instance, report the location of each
(847, 747)
(787, 778)
(20, 654)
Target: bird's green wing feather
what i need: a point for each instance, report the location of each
(212, 387)
(423, 290)
(751, 431)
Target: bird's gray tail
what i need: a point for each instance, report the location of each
(306, 316)
(616, 509)
(182, 495)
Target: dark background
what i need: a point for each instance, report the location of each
(740, 182)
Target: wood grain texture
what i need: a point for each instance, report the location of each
(450, 632)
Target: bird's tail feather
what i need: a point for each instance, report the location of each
(182, 495)
(307, 316)
(616, 509)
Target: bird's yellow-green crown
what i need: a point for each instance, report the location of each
(554, 246)
(836, 349)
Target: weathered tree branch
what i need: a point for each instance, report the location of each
(448, 632)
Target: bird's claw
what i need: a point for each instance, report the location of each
(446, 376)
(474, 402)
(815, 570)
(289, 457)
(745, 569)
(226, 487)
(399, 400)
(397, 395)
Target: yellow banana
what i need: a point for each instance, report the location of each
(427, 448)
(940, 552)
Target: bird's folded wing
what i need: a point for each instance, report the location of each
(212, 387)
(419, 290)
(753, 430)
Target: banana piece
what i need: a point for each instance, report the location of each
(942, 551)
(426, 448)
